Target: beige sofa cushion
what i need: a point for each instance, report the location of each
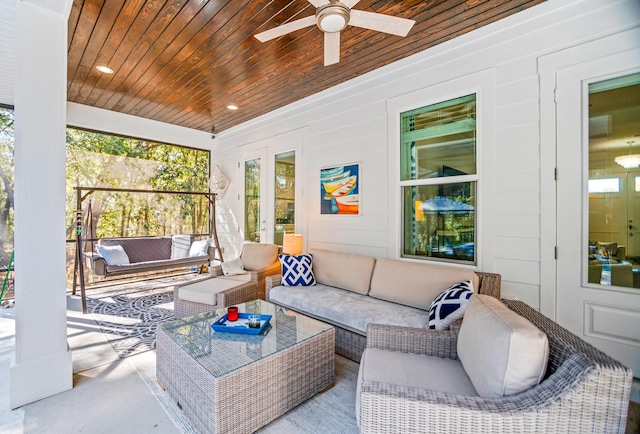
(501, 351)
(343, 270)
(206, 291)
(414, 284)
(256, 256)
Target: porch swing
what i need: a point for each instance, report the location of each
(143, 253)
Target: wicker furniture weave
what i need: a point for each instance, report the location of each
(351, 343)
(244, 291)
(584, 390)
(235, 383)
(257, 276)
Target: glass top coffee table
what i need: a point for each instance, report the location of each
(229, 382)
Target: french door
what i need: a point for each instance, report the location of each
(598, 206)
(272, 190)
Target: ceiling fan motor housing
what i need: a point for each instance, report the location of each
(333, 17)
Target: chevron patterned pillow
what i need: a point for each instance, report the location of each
(449, 305)
(297, 270)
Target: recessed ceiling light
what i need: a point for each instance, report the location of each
(232, 107)
(104, 69)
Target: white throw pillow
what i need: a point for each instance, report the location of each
(502, 352)
(449, 305)
(233, 267)
(113, 255)
(180, 245)
(199, 248)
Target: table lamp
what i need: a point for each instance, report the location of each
(292, 244)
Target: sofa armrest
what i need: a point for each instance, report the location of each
(489, 284)
(96, 264)
(271, 282)
(427, 342)
(273, 269)
(216, 271)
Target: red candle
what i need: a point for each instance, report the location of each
(232, 313)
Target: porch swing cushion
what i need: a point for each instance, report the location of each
(113, 255)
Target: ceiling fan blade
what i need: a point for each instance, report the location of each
(381, 23)
(318, 3)
(350, 3)
(286, 28)
(331, 48)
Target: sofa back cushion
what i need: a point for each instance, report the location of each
(414, 284)
(256, 256)
(501, 352)
(343, 270)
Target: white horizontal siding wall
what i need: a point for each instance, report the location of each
(348, 123)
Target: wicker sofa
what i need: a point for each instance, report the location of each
(582, 390)
(355, 290)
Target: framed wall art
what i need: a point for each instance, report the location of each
(340, 189)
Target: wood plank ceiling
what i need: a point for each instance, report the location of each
(184, 61)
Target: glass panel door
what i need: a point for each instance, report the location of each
(614, 164)
(252, 190)
(285, 195)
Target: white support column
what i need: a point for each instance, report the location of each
(41, 365)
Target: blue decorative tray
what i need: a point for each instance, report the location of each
(241, 325)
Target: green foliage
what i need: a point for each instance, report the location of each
(7, 135)
(103, 160)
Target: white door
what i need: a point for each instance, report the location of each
(598, 289)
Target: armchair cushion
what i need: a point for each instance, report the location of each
(256, 256)
(501, 351)
(413, 370)
(113, 255)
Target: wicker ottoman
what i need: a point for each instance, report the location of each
(236, 383)
(208, 294)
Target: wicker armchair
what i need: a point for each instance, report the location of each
(584, 390)
(260, 261)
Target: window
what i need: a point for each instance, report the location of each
(285, 196)
(252, 200)
(438, 173)
(608, 185)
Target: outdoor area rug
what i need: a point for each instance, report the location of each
(129, 321)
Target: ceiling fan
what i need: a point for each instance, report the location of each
(334, 15)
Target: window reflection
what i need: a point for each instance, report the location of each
(614, 170)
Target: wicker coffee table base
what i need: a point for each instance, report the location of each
(246, 399)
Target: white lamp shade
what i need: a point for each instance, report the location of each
(292, 244)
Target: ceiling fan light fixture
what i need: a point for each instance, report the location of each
(333, 17)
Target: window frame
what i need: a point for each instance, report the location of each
(482, 85)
